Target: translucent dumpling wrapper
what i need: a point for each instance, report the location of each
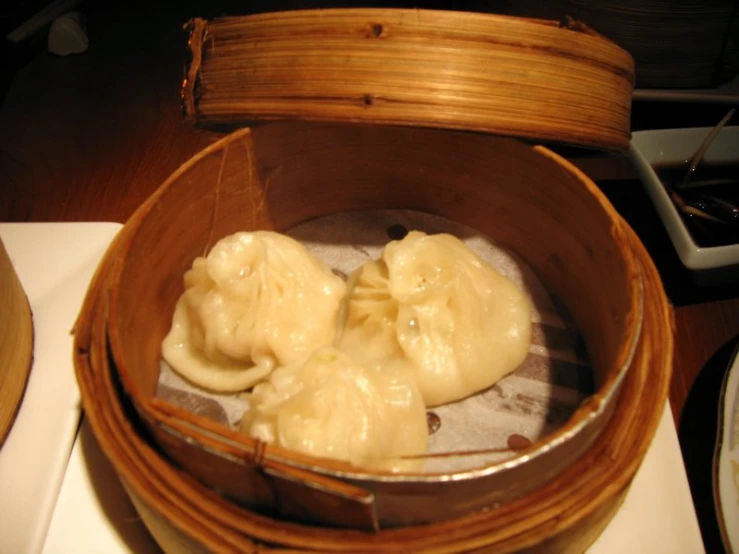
(257, 301)
(331, 407)
(432, 305)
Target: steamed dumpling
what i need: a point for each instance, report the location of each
(332, 407)
(257, 301)
(432, 305)
(183, 352)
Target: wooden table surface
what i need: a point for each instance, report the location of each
(89, 137)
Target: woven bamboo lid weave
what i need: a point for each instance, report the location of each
(536, 79)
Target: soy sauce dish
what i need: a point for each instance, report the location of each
(706, 246)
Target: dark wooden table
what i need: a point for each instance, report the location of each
(89, 137)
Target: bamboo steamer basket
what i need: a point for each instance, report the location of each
(325, 168)
(566, 515)
(16, 343)
(278, 175)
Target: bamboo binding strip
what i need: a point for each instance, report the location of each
(498, 74)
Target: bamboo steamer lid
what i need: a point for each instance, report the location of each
(16, 343)
(529, 78)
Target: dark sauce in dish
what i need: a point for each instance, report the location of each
(719, 199)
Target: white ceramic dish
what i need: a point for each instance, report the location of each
(649, 148)
(726, 459)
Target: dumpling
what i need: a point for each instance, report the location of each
(258, 300)
(184, 354)
(332, 407)
(431, 304)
